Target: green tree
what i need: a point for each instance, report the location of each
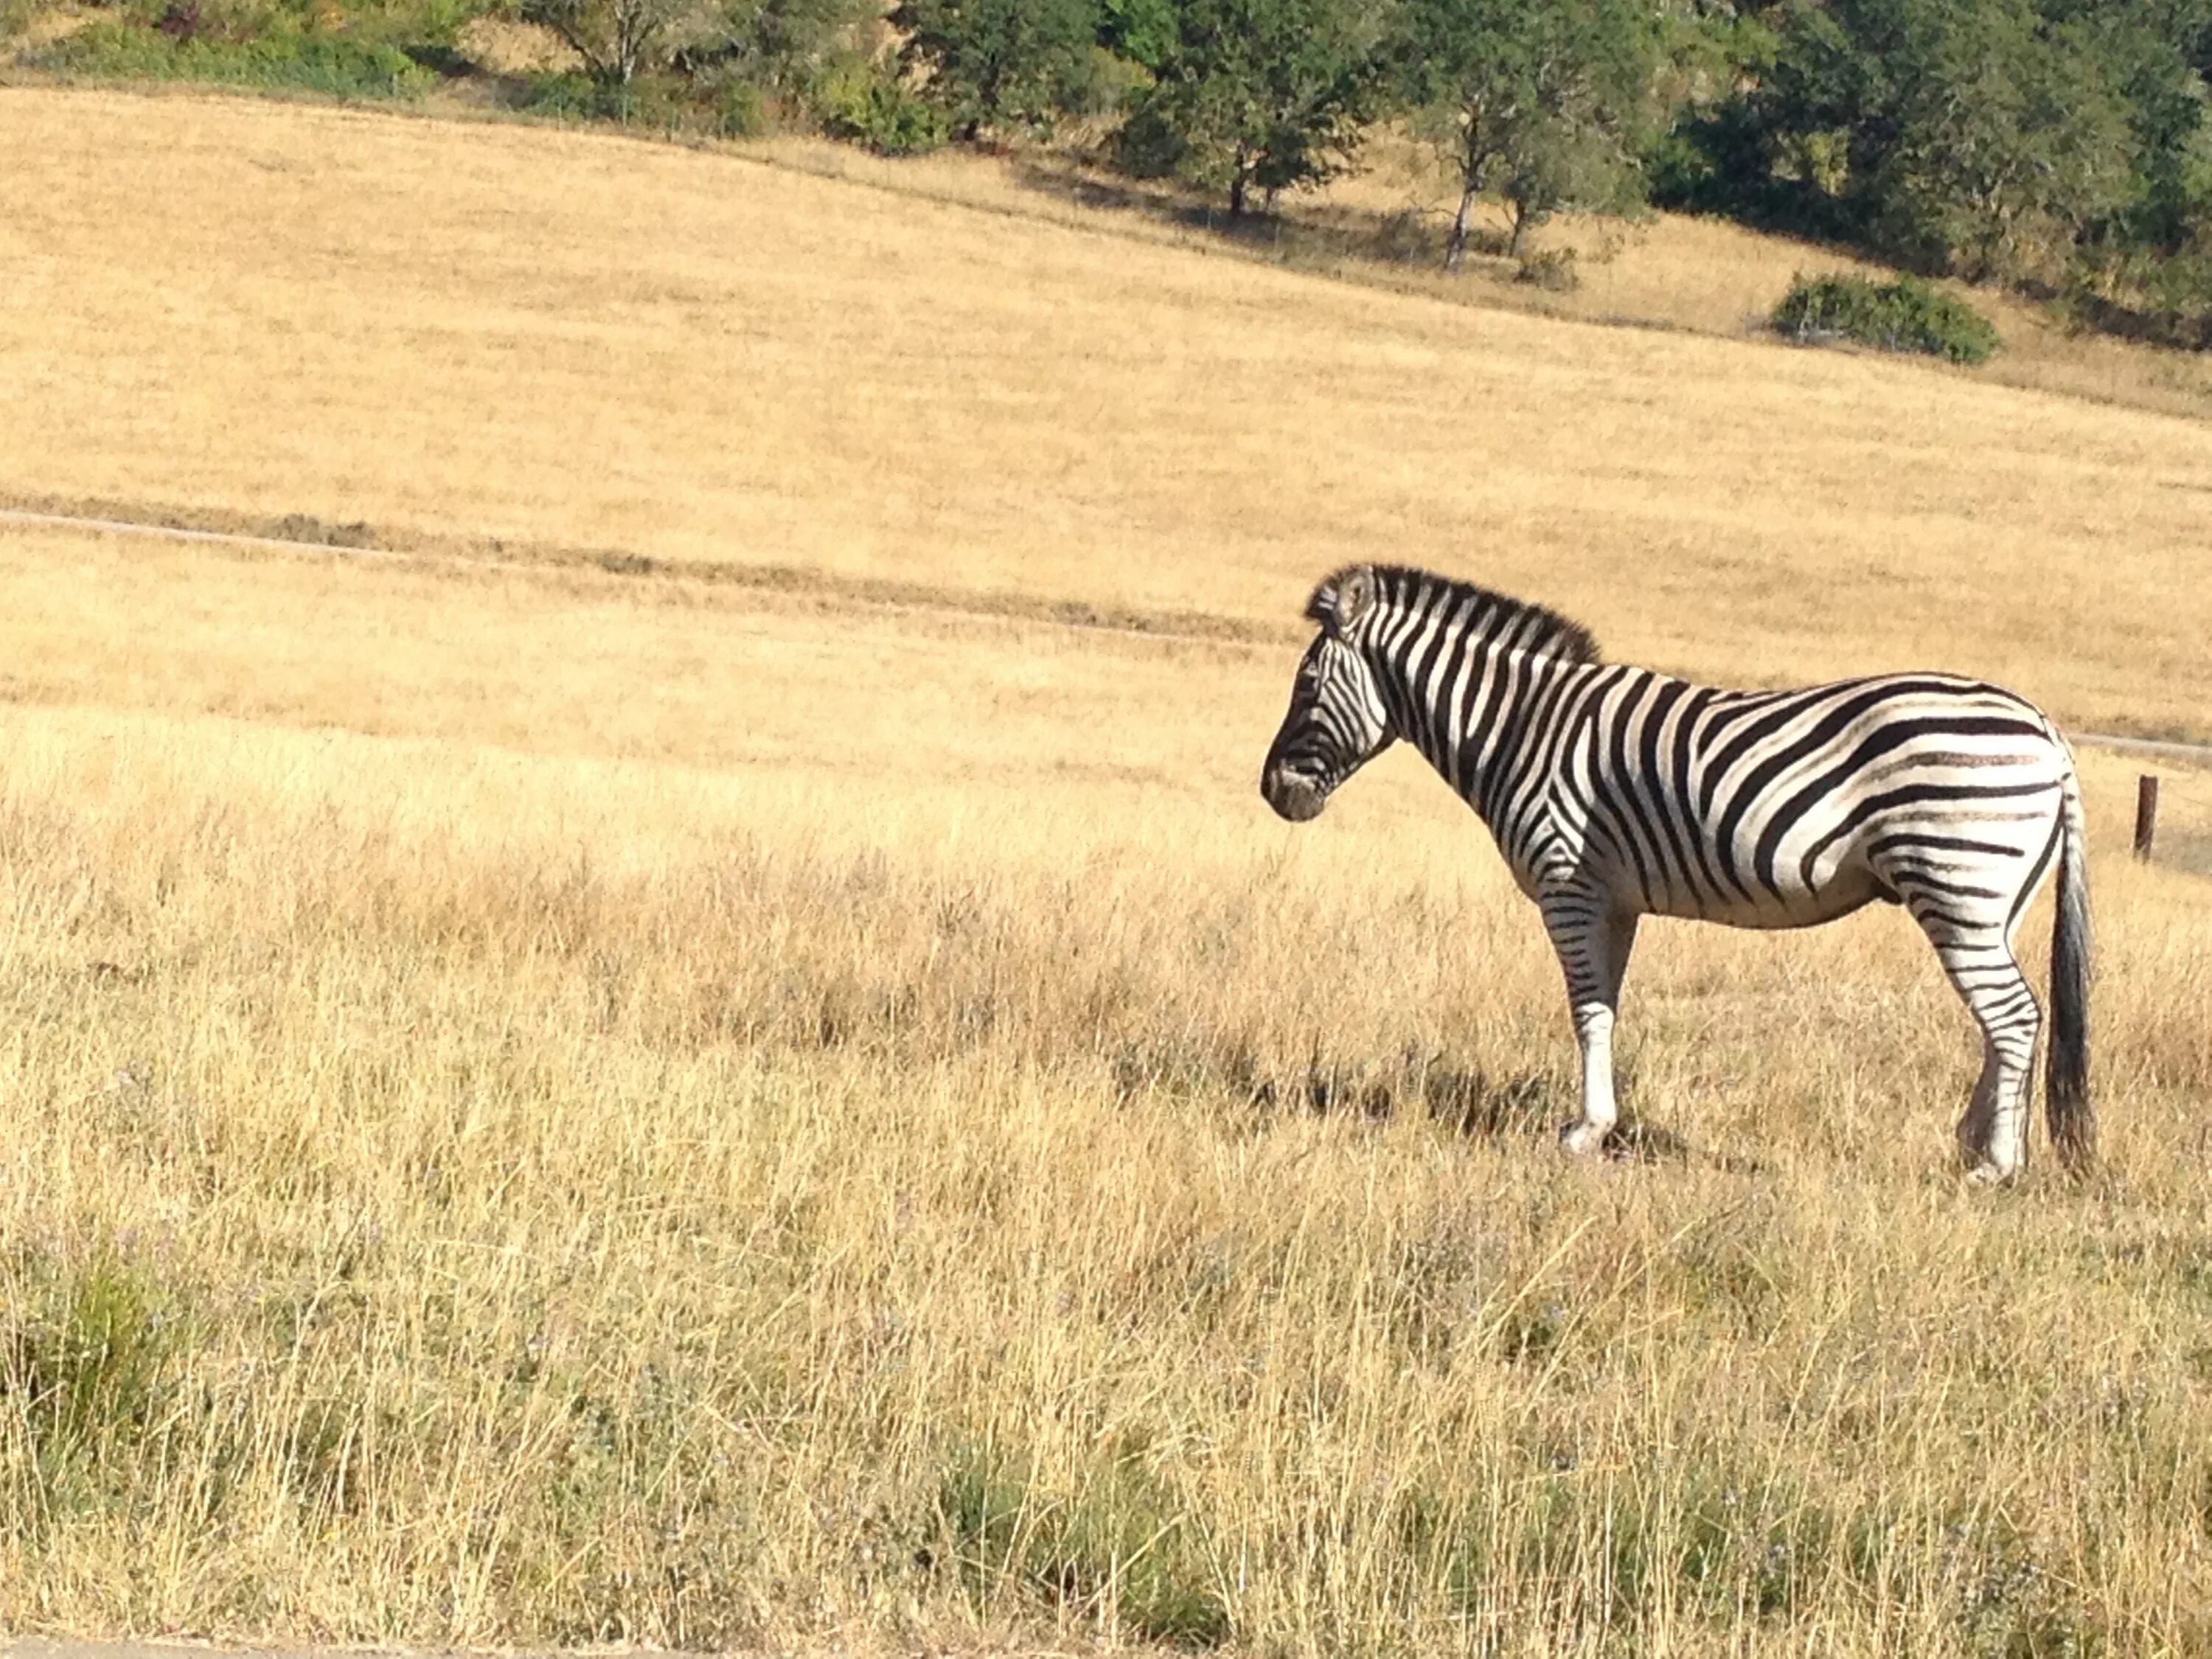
(2155, 53)
(2011, 140)
(785, 46)
(617, 39)
(1270, 94)
(1141, 31)
(1544, 99)
(1004, 64)
(1984, 137)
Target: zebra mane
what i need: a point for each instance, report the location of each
(1500, 618)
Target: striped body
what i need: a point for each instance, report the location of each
(1764, 809)
(1614, 793)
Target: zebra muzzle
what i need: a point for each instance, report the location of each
(1293, 796)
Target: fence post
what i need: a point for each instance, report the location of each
(2146, 813)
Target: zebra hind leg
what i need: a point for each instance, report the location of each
(1993, 1134)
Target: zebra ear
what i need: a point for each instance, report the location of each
(1343, 599)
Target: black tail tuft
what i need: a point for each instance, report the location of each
(2073, 1117)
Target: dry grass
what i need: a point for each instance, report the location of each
(584, 340)
(1709, 276)
(574, 1152)
(2183, 830)
(546, 1105)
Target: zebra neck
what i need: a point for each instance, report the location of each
(1480, 714)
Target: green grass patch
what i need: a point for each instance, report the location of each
(1906, 315)
(334, 65)
(88, 1352)
(1120, 1548)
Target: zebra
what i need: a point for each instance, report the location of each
(1615, 793)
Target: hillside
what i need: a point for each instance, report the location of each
(578, 341)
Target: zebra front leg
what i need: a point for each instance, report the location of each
(1593, 941)
(1601, 1110)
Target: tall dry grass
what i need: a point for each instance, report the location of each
(557, 1101)
(694, 1141)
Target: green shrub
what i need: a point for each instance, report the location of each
(871, 104)
(570, 94)
(337, 65)
(1147, 145)
(1906, 315)
(741, 111)
(1553, 270)
(648, 100)
(711, 103)
(2165, 299)
(1003, 65)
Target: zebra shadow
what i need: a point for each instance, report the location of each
(1474, 1102)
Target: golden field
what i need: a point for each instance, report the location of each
(579, 340)
(791, 1096)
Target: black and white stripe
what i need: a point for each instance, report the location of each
(1616, 793)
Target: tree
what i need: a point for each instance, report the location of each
(615, 38)
(1981, 136)
(999, 63)
(2156, 54)
(1971, 136)
(2011, 142)
(1265, 92)
(784, 45)
(1544, 99)
(1143, 31)
(2061, 143)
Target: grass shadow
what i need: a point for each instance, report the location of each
(1633, 1141)
(1465, 1099)
(1474, 1103)
(1411, 238)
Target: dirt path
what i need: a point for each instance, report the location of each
(357, 541)
(2196, 751)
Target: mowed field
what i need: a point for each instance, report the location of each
(724, 1054)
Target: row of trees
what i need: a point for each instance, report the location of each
(2059, 142)
(1543, 101)
(2026, 141)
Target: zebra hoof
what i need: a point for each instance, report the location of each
(1583, 1139)
(1988, 1172)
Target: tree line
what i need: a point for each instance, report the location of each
(2059, 145)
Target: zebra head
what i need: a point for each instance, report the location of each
(1338, 721)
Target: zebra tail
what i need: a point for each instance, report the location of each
(2072, 1116)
